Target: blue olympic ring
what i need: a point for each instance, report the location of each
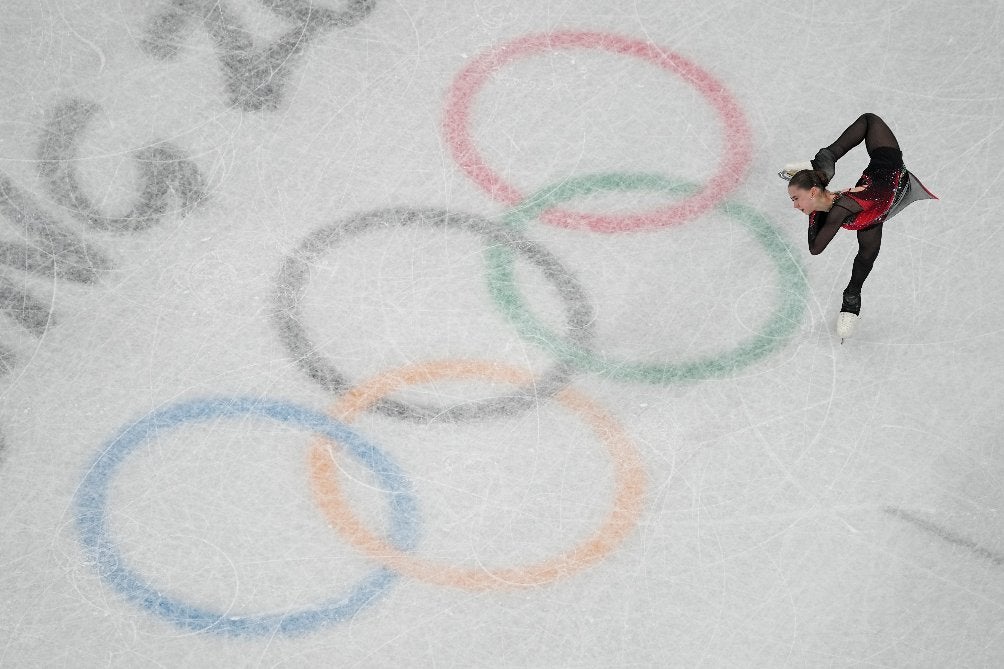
(91, 501)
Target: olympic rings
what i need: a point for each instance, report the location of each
(91, 500)
(629, 477)
(456, 127)
(573, 351)
(294, 275)
(774, 333)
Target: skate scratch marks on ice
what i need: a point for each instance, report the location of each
(947, 535)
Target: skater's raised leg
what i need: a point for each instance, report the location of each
(868, 128)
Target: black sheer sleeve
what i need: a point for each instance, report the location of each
(828, 223)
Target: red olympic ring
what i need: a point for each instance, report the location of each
(737, 140)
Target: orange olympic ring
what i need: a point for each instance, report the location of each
(627, 505)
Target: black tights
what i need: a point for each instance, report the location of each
(868, 128)
(869, 243)
(874, 132)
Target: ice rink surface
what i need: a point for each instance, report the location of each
(483, 334)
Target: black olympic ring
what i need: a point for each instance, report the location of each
(294, 275)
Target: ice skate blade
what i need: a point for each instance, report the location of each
(791, 169)
(847, 323)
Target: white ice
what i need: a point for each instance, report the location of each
(818, 505)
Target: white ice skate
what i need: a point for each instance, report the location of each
(792, 168)
(847, 323)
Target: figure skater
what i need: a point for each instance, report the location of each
(883, 190)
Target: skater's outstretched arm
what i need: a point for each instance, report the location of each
(868, 128)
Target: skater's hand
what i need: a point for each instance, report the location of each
(856, 189)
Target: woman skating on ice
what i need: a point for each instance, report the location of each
(883, 190)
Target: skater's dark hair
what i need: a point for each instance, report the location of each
(808, 179)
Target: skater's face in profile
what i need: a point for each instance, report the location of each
(806, 201)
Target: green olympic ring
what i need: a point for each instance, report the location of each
(772, 336)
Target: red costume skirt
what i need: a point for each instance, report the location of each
(888, 188)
